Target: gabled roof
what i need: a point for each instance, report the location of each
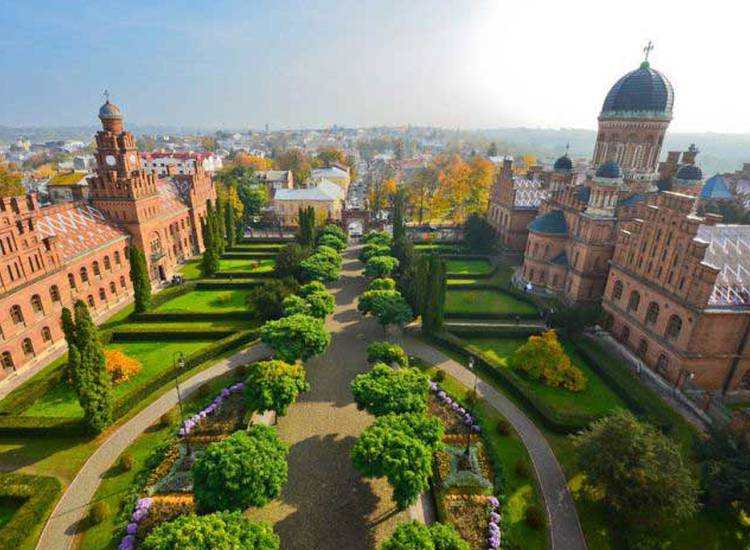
(716, 188)
(552, 223)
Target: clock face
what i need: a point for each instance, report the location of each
(132, 157)
(110, 160)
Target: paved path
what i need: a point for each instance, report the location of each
(326, 505)
(565, 529)
(60, 530)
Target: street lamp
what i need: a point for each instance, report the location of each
(178, 363)
(471, 409)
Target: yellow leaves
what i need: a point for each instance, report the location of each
(120, 366)
(10, 182)
(463, 188)
(227, 194)
(259, 163)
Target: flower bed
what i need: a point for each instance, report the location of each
(464, 497)
(169, 486)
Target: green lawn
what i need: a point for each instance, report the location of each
(521, 492)
(8, 507)
(181, 326)
(485, 301)
(206, 301)
(257, 245)
(597, 399)
(191, 269)
(252, 266)
(468, 267)
(154, 357)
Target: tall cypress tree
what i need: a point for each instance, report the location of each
(306, 232)
(95, 386)
(220, 227)
(434, 297)
(399, 222)
(229, 223)
(139, 278)
(210, 259)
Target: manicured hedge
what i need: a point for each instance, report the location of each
(39, 494)
(516, 385)
(488, 315)
(158, 334)
(270, 240)
(500, 332)
(465, 257)
(244, 275)
(171, 293)
(41, 425)
(35, 388)
(226, 284)
(249, 255)
(187, 317)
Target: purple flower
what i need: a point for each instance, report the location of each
(138, 515)
(475, 428)
(494, 502)
(495, 517)
(494, 528)
(224, 393)
(145, 503)
(454, 406)
(434, 387)
(461, 410)
(441, 394)
(128, 542)
(467, 421)
(131, 528)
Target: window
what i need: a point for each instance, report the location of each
(113, 288)
(28, 347)
(674, 327)
(36, 304)
(555, 281)
(102, 295)
(635, 301)
(617, 291)
(117, 257)
(546, 251)
(84, 275)
(16, 315)
(642, 348)
(652, 314)
(54, 293)
(662, 364)
(608, 321)
(46, 334)
(90, 300)
(107, 264)
(625, 335)
(122, 281)
(96, 270)
(7, 360)
(71, 281)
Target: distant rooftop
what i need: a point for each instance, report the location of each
(728, 250)
(324, 191)
(529, 192)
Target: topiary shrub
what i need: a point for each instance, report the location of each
(168, 418)
(534, 517)
(127, 461)
(543, 358)
(385, 352)
(99, 512)
(503, 427)
(439, 375)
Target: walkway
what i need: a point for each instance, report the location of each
(326, 504)
(565, 529)
(59, 533)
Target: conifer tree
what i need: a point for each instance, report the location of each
(94, 384)
(306, 233)
(434, 296)
(139, 278)
(219, 228)
(210, 259)
(399, 222)
(230, 224)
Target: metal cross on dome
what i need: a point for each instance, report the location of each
(647, 49)
(106, 94)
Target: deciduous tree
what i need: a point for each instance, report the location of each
(384, 390)
(295, 337)
(274, 385)
(388, 306)
(381, 266)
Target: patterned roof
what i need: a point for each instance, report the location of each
(641, 93)
(529, 193)
(174, 194)
(79, 229)
(729, 251)
(552, 223)
(716, 188)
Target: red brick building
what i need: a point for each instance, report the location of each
(52, 256)
(678, 293)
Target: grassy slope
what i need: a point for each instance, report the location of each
(468, 267)
(206, 301)
(484, 301)
(253, 266)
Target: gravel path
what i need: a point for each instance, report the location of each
(565, 529)
(326, 504)
(60, 530)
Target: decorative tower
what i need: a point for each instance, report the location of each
(605, 188)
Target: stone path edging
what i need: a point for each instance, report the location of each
(564, 526)
(60, 529)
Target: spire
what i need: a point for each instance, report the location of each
(106, 95)
(646, 51)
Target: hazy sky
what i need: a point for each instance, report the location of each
(360, 63)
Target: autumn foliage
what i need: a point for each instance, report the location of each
(543, 358)
(121, 367)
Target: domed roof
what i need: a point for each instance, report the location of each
(109, 111)
(643, 93)
(689, 172)
(563, 164)
(551, 223)
(609, 169)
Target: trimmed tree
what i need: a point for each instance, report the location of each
(140, 280)
(288, 261)
(94, 385)
(382, 283)
(415, 535)
(320, 304)
(295, 337)
(384, 390)
(388, 306)
(249, 468)
(434, 295)
(266, 302)
(310, 288)
(332, 241)
(321, 266)
(306, 231)
(274, 385)
(334, 231)
(295, 305)
(478, 234)
(217, 530)
(69, 330)
(378, 238)
(230, 224)
(639, 471)
(381, 266)
(385, 352)
(370, 250)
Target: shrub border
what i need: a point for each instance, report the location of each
(40, 494)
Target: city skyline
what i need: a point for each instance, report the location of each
(356, 64)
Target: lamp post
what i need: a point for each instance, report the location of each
(471, 410)
(178, 363)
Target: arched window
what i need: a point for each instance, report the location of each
(617, 291)
(546, 251)
(117, 257)
(102, 295)
(674, 327)
(536, 250)
(642, 348)
(652, 314)
(608, 321)
(95, 267)
(107, 264)
(71, 281)
(122, 281)
(90, 300)
(16, 314)
(635, 301)
(84, 275)
(625, 334)
(46, 334)
(36, 304)
(113, 288)
(28, 347)
(7, 360)
(662, 364)
(54, 293)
